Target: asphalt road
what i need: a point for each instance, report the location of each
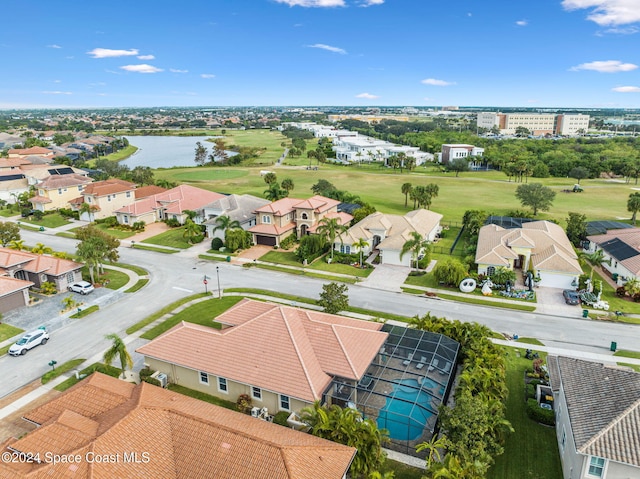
(179, 275)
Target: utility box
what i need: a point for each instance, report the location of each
(614, 346)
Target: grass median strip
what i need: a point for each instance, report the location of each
(7, 331)
(63, 368)
(480, 302)
(156, 249)
(161, 312)
(627, 354)
(102, 368)
(85, 312)
(139, 285)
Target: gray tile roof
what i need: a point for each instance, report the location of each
(603, 404)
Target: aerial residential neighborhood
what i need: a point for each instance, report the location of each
(341, 239)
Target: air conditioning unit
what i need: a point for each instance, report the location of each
(162, 377)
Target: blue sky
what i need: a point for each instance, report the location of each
(564, 53)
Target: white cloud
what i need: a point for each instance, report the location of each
(146, 57)
(607, 12)
(175, 70)
(627, 89)
(142, 68)
(369, 3)
(207, 75)
(313, 3)
(622, 31)
(108, 53)
(329, 48)
(435, 82)
(608, 66)
(522, 23)
(368, 96)
(57, 92)
(54, 46)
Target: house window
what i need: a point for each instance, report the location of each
(345, 248)
(491, 270)
(70, 277)
(285, 403)
(108, 197)
(79, 187)
(596, 466)
(266, 219)
(256, 393)
(88, 199)
(304, 216)
(222, 385)
(59, 191)
(125, 219)
(128, 194)
(204, 378)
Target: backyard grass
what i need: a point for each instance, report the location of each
(627, 354)
(7, 331)
(103, 368)
(532, 450)
(172, 238)
(63, 368)
(161, 312)
(201, 313)
(202, 396)
(53, 220)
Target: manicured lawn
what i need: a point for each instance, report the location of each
(7, 331)
(139, 285)
(202, 313)
(494, 304)
(532, 451)
(53, 220)
(173, 238)
(118, 155)
(627, 354)
(615, 303)
(311, 274)
(161, 312)
(85, 311)
(157, 249)
(530, 341)
(103, 368)
(635, 367)
(61, 369)
(117, 233)
(8, 212)
(267, 140)
(281, 257)
(322, 265)
(136, 269)
(116, 279)
(202, 396)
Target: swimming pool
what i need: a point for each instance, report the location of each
(400, 416)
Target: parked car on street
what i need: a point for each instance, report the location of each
(29, 341)
(571, 297)
(82, 287)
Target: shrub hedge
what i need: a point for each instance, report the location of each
(538, 414)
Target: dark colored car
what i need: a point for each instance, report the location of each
(571, 297)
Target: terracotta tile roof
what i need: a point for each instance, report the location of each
(139, 207)
(549, 245)
(36, 263)
(11, 257)
(603, 404)
(11, 285)
(108, 187)
(317, 203)
(305, 349)
(181, 437)
(174, 201)
(63, 181)
(13, 162)
(34, 150)
(280, 207)
(149, 190)
(40, 199)
(267, 229)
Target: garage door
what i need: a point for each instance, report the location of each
(550, 280)
(266, 240)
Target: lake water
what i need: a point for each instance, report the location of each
(167, 151)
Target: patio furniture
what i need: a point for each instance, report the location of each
(446, 369)
(434, 364)
(407, 361)
(422, 362)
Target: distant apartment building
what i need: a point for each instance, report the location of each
(536, 123)
(454, 151)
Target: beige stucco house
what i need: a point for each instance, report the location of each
(284, 358)
(541, 246)
(57, 191)
(388, 233)
(104, 198)
(597, 411)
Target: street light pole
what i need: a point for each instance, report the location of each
(218, 276)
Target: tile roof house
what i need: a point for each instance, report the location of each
(56, 191)
(285, 358)
(388, 233)
(104, 198)
(240, 208)
(147, 431)
(34, 150)
(621, 247)
(14, 293)
(282, 218)
(170, 204)
(541, 246)
(597, 418)
(39, 268)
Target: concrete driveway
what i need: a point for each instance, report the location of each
(387, 277)
(551, 301)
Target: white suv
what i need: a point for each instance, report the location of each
(28, 341)
(82, 287)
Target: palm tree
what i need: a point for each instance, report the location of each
(416, 244)
(331, 229)
(40, 248)
(275, 192)
(361, 244)
(270, 178)
(433, 447)
(191, 230)
(17, 245)
(633, 205)
(223, 222)
(593, 259)
(90, 209)
(406, 189)
(119, 349)
(287, 184)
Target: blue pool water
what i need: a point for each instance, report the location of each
(405, 421)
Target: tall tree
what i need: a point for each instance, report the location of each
(275, 192)
(406, 189)
(287, 184)
(331, 228)
(458, 165)
(118, 349)
(219, 153)
(192, 231)
(633, 205)
(417, 245)
(333, 298)
(536, 196)
(223, 223)
(579, 173)
(361, 244)
(270, 178)
(201, 154)
(9, 232)
(576, 228)
(96, 247)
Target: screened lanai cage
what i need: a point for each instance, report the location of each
(403, 387)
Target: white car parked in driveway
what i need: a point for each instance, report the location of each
(82, 287)
(29, 341)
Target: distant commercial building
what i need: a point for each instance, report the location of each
(536, 123)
